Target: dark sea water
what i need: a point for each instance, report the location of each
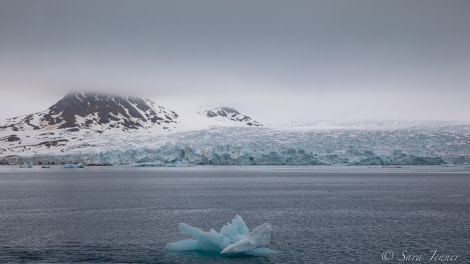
(319, 214)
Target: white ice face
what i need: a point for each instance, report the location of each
(233, 238)
(427, 144)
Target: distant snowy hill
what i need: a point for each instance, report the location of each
(97, 113)
(230, 116)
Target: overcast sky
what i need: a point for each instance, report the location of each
(273, 60)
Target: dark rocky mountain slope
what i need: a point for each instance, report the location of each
(97, 112)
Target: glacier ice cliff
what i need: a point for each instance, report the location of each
(233, 238)
(257, 146)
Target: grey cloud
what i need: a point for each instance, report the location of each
(218, 49)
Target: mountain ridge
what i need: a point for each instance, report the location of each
(107, 113)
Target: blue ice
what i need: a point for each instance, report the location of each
(233, 238)
(70, 165)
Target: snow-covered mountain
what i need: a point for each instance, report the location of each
(81, 120)
(98, 113)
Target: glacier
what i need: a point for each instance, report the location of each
(233, 238)
(419, 145)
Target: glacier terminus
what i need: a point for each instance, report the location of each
(95, 129)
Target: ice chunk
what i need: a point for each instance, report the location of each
(29, 165)
(234, 237)
(260, 237)
(69, 165)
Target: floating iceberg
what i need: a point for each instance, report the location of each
(72, 166)
(29, 165)
(233, 238)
